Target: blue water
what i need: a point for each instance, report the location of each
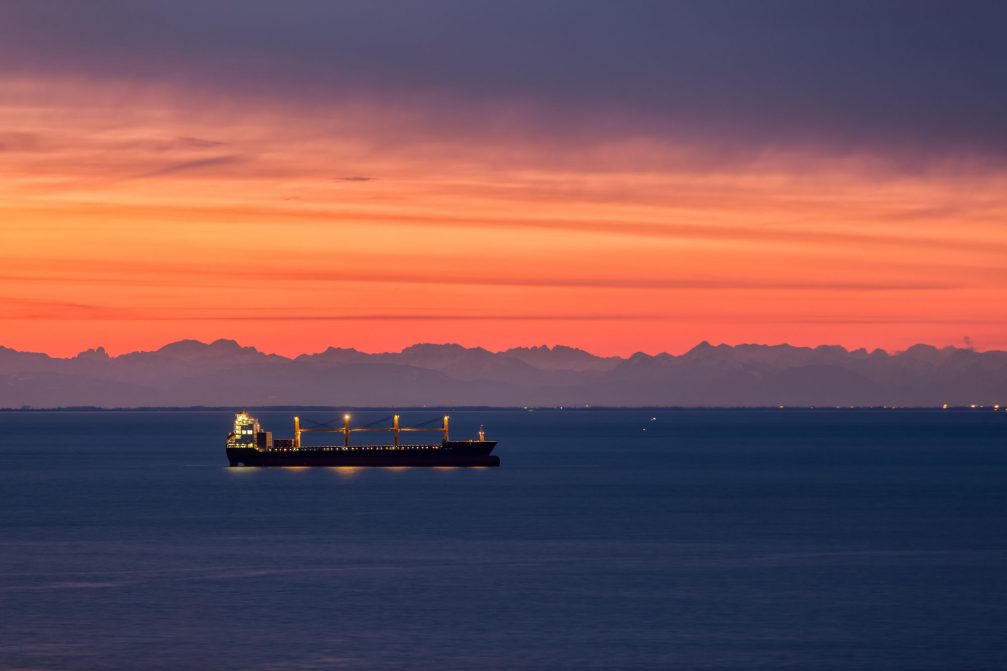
(712, 540)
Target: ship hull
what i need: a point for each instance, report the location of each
(449, 453)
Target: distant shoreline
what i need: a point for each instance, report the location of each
(474, 408)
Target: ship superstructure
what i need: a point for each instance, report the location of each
(249, 445)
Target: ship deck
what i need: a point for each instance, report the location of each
(353, 448)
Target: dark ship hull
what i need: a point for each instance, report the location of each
(457, 453)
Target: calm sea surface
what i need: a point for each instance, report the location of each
(710, 540)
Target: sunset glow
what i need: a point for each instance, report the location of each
(137, 212)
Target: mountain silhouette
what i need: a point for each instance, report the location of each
(225, 373)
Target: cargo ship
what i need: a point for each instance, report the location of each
(249, 445)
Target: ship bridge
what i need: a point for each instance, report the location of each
(248, 434)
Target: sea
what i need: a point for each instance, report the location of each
(607, 539)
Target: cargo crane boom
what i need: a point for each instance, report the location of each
(346, 430)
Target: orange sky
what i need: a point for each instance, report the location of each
(133, 217)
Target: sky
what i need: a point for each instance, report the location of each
(616, 176)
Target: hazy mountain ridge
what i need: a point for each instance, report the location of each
(189, 372)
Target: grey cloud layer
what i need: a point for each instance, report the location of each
(913, 79)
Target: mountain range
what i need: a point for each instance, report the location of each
(224, 373)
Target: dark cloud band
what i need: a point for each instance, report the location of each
(910, 79)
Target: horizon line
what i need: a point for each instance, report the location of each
(502, 408)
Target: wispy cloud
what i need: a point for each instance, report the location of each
(20, 141)
(49, 311)
(198, 142)
(230, 276)
(194, 165)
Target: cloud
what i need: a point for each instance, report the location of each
(20, 142)
(189, 166)
(197, 143)
(179, 273)
(52, 311)
(910, 80)
(808, 235)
